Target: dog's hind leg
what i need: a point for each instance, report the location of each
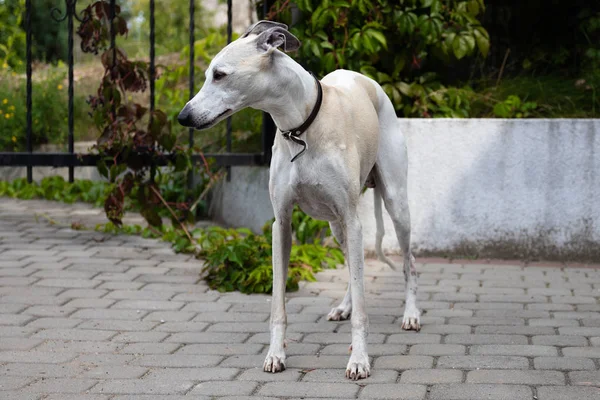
(342, 311)
(391, 182)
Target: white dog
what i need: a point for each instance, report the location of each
(333, 137)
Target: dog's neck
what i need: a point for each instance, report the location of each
(294, 93)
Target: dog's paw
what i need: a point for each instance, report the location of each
(339, 313)
(411, 320)
(274, 362)
(358, 367)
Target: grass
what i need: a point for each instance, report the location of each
(557, 96)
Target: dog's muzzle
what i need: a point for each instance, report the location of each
(185, 118)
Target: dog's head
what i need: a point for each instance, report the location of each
(238, 77)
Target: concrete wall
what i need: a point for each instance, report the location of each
(497, 188)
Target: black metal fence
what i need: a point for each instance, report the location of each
(31, 159)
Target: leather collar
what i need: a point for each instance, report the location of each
(293, 134)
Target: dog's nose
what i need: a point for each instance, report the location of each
(184, 118)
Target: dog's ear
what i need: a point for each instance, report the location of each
(261, 26)
(273, 38)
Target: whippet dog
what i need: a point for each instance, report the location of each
(333, 137)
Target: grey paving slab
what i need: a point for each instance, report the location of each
(89, 316)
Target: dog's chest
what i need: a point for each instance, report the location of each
(320, 191)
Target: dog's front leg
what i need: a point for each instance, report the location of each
(282, 243)
(358, 366)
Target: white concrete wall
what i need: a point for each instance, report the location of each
(486, 187)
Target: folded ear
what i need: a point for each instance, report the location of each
(261, 26)
(273, 38)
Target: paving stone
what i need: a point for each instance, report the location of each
(514, 330)
(472, 392)
(592, 352)
(164, 360)
(73, 334)
(579, 331)
(332, 338)
(486, 339)
(35, 357)
(133, 337)
(431, 376)
(17, 331)
(221, 349)
(568, 393)
(585, 378)
(117, 325)
(16, 343)
(142, 386)
(150, 348)
(559, 340)
(399, 391)
(516, 377)
(196, 374)
(41, 370)
(309, 389)
(60, 385)
(115, 372)
(563, 363)
(96, 360)
(520, 350)
(68, 283)
(76, 346)
(373, 349)
(482, 362)
(100, 313)
(13, 383)
(404, 362)
(224, 388)
(414, 338)
(437, 349)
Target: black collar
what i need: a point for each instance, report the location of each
(293, 134)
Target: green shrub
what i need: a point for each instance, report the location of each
(237, 259)
(400, 44)
(49, 108)
(57, 189)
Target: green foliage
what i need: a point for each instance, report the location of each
(306, 230)
(132, 137)
(513, 107)
(237, 259)
(397, 43)
(49, 109)
(12, 35)
(57, 189)
(49, 36)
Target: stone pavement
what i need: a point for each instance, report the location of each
(90, 316)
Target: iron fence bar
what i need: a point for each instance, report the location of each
(113, 47)
(229, 23)
(190, 177)
(152, 71)
(151, 77)
(29, 88)
(59, 160)
(70, 13)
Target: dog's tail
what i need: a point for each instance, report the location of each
(380, 229)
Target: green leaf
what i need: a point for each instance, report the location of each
(377, 35)
(483, 41)
(460, 45)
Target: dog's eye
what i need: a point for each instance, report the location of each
(218, 75)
